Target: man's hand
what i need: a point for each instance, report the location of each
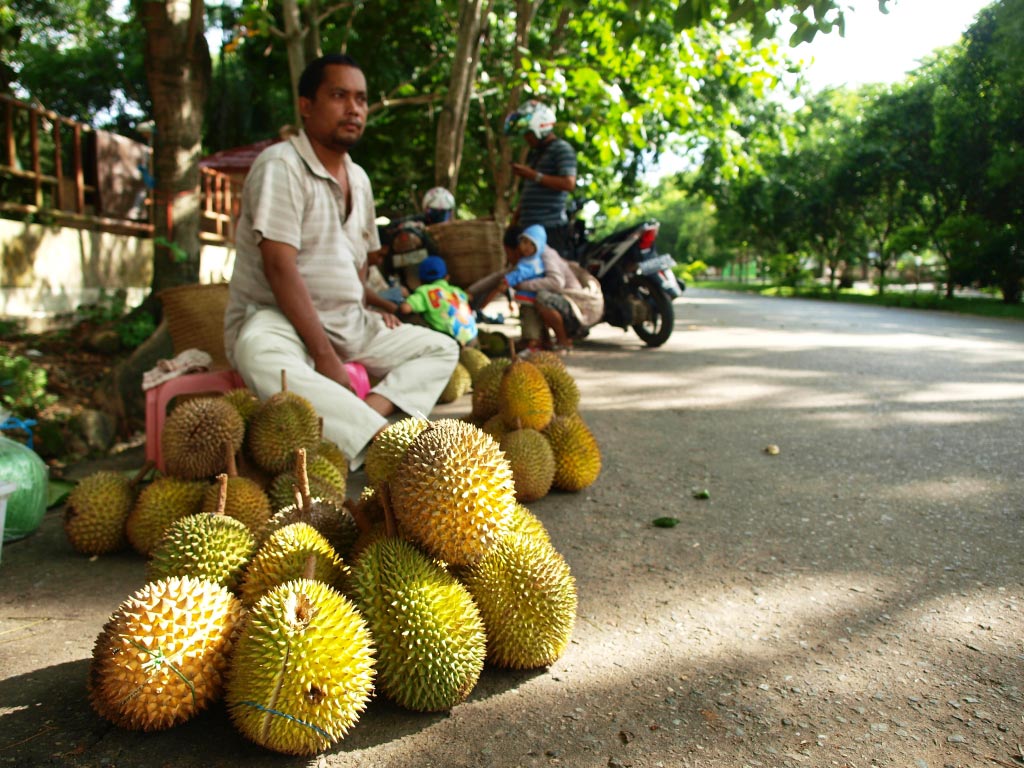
(330, 365)
(390, 320)
(524, 171)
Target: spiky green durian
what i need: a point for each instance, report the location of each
(527, 598)
(162, 655)
(244, 401)
(577, 455)
(474, 361)
(240, 498)
(459, 383)
(524, 397)
(533, 463)
(195, 434)
(565, 393)
(158, 505)
(526, 523)
(302, 671)
(283, 423)
(429, 636)
(453, 492)
(96, 511)
(388, 448)
(214, 547)
(485, 389)
(285, 556)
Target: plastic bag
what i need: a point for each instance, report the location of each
(27, 505)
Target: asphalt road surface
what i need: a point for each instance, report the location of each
(844, 586)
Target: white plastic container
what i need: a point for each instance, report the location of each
(6, 489)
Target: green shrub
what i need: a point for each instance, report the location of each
(23, 386)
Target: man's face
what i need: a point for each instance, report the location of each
(336, 116)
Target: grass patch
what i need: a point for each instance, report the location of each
(984, 307)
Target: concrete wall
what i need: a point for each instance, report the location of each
(48, 271)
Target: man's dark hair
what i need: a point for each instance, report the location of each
(313, 74)
(511, 236)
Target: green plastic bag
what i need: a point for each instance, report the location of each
(27, 505)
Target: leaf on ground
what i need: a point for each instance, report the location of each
(57, 492)
(702, 493)
(665, 522)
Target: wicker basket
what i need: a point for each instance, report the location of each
(195, 319)
(472, 249)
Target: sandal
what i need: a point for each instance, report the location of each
(561, 349)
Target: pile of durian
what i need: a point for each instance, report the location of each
(272, 591)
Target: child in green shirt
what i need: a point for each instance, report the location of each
(443, 306)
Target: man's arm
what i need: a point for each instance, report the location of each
(280, 265)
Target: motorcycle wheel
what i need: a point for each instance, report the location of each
(657, 327)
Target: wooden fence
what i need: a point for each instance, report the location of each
(55, 169)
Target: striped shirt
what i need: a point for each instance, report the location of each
(538, 204)
(290, 197)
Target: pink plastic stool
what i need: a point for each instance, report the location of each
(160, 396)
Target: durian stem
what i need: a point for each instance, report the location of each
(147, 467)
(390, 524)
(222, 495)
(309, 572)
(284, 380)
(320, 421)
(302, 477)
(356, 510)
(232, 465)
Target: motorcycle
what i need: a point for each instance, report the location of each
(637, 282)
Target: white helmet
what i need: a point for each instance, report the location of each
(532, 116)
(438, 199)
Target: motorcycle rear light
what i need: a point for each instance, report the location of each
(647, 238)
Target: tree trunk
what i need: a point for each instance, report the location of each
(178, 71)
(451, 124)
(293, 42)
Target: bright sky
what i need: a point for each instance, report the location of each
(882, 48)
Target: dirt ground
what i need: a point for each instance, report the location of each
(854, 599)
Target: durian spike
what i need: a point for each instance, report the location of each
(222, 494)
(356, 510)
(147, 467)
(309, 572)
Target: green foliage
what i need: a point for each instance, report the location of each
(135, 329)
(23, 386)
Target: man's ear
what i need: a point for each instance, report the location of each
(305, 105)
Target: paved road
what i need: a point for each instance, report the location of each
(853, 600)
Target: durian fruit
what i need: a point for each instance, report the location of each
(194, 436)
(212, 546)
(565, 393)
(577, 455)
(244, 401)
(385, 453)
(327, 514)
(158, 505)
(527, 598)
(526, 523)
(285, 556)
(474, 361)
(495, 427)
(541, 357)
(322, 477)
(533, 464)
(302, 672)
(244, 499)
(284, 423)
(524, 397)
(485, 390)
(96, 511)
(162, 655)
(458, 384)
(330, 451)
(453, 492)
(428, 633)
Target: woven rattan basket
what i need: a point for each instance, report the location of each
(195, 319)
(472, 248)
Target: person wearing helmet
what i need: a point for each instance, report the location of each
(549, 174)
(438, 205)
